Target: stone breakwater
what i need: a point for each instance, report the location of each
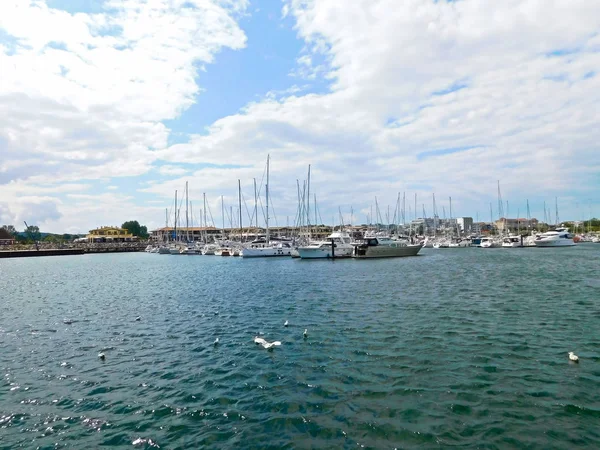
(46, 249)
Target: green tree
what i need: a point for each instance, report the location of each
(33, 232)
(134, 227)
(11, 229)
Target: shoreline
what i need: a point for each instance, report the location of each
(81, 249)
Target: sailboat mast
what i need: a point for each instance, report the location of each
(175, 228)
(308, 200)
(267, 197)
(192, 220)
(255, 205)
(240, 205)
(223, 217)
(187, 217)
(205, 231)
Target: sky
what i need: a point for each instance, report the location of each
(107, 107)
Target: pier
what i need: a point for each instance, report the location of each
(26, 251)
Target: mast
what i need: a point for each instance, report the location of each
(255, 205)
(192, 220)
(175, 228)
(308, 200)
(435, 216)
(166, 224)
(205, 230)
(223, 217)
(415, 207)
(267, 196)
(240, 205)
(187, 217)
(556, 210)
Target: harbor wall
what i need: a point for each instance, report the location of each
(78, 249)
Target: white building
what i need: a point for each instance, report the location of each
(465, 224)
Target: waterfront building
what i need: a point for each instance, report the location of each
(110, 234)
(6, 238)
(504, 224)
(465, 224)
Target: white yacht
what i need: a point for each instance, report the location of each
(557, 238)
(336, 245)
(223, 251)
(209, 249)
(488, 242)
(512, 242)
(263, 248)
(384, 247)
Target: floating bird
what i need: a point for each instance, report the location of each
(573, 357)
(67, 321)
(270, 345)
(138, 318)
(305, 334)
(286, 323)
(216, 342)
(101, 356)
(259, 340)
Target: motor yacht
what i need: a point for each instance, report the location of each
(512, 242)
(337, 245)
(384, 247)
(556, 238)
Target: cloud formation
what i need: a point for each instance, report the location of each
(422, 97)
(84, 95)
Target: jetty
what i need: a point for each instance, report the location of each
(27, 251)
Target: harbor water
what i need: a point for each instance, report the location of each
(463, 348)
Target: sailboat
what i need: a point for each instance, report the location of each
(265, 248)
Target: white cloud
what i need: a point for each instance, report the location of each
(423, 96)
(83, 96)
(513, 84)
(171, 170)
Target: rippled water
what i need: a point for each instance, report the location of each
(457, 347)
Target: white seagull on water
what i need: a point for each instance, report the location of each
(265, 344)
(286, 323)
(305, 334)
(216, 342)
(573, 357)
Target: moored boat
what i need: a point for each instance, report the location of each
(557, 238)
(336, 245)
(384, 247)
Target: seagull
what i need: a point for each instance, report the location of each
(305, 334)
(573, 357)
(101, 356)
(138, 318)
(259, 340)
(270, 345)
(216, 342)
(286, 323)
(67, 321)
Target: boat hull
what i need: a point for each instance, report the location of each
(265, 252)
(556, 243)
(386, 251)
(324, 253)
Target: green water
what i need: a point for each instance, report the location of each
(462, 348)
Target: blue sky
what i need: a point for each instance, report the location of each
(110, 106)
